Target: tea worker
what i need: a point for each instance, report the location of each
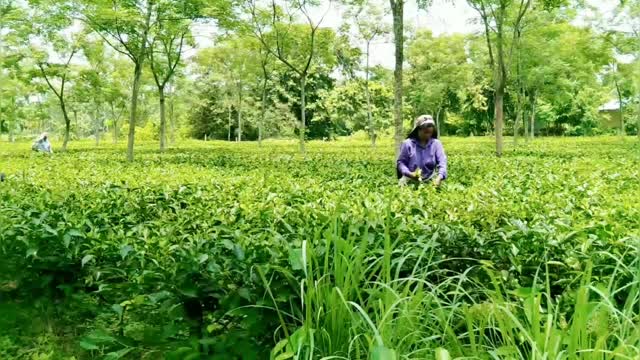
(422, 157)
(42, 144)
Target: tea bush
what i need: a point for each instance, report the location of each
(231, 251)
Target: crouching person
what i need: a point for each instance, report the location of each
(42, 144)
(422, 157)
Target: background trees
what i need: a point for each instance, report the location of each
(183, 68)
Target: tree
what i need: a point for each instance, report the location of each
(501, 18)
(265, 60)
(369, 21)
(13, 77)
(349, 106)
(439, 73)
(169, 34)
(233, 64)
(293, 44)
(126, 26)
(51, 26)
(397, 10)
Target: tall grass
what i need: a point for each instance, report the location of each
(364, 296)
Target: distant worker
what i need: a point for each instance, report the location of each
(421, 154)
(42, 144)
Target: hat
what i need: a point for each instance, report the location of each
(422, 121)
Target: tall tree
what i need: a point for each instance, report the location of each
(397, 10)
(294, 45)
(370, 24)
(13, 33)
(53, 59)
(231, 64)
(439, 73)
(627, 20)
(169, 35)
(502, 20)
(126, 26)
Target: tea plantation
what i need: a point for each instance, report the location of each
(218, 250)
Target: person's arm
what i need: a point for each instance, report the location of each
(441, 160)
(403, 160)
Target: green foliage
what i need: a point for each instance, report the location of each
(214, 248)
(347, 105)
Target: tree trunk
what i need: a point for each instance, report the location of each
(533, 117)
(397, 7)
(499, 118)
(229, 127)
(525, 124)
(516, 126)
(239, 115)
(303, 94)
(372, 130)
(621, 109)
(67, 123)
(163, 120)
(263, 111)
(137, 74)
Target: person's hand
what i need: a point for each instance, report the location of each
(437, 181)
(417, 175)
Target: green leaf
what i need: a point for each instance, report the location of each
(442, 354)
(125, 250)
(295, 259)
(88, 346)
(118, 354)
(31, 252)
(380, 352)
(285, 355)
(86, 259)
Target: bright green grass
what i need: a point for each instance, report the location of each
(530, 256)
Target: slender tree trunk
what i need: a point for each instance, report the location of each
(229, 127)
(263, 111)
(397, 7)
(303, 94)
(372, 130)
(239, 115)
(621, 109)
(532, 133)
(134, 109)
(516, 126)
(525, 124)
(500, 81)
(67, 123)
(12, 123)
(163, 120)
(499, 118)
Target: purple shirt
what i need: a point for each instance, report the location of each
(414, 155)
